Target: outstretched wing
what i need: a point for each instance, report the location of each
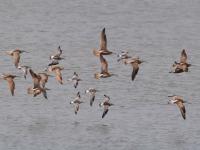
(105, 110)
(183, 58)
(104, 64)
(135, 70)
(76, 108)
(103, 40)
(11, 85)
(36, 79)
(16, 57)
(182, 109)
(92, 97)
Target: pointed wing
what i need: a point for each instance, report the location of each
(135, 70)
(104, 64)
(103, 40)
(36, 79)
(16, 57)
(92, 97)
(44, 92)
(183, 58)
(76, 108)
(75, 83)
(105, 110)
(59, 51)
(11, 85)
(182, 109)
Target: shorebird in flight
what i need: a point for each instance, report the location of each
(76, 102)
(43, 78)
(104, 69)
(91, 92)
(106, 104)
(15, 55)
(123, 55)
(103, 45)
(135, 62)
(75, 78)
(37, 89)
(57, 55)
(178, 100)
(57, 70)
(183, 65)
(10, 79)
(24, 69)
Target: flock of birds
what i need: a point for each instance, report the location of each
(40, 79)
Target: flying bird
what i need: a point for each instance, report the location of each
(43, 78)
(57, 55)
(103, 45)
(76, 102)
(57, 70)
(135, 62)
(91, 92)
(106, 104)
(15, 55)
(178, 100)
(123, 55)
(36, 78)
(10, 79)
(75, 78)
(104, 69)
(38, 90)
(24, 69)
(183, 65)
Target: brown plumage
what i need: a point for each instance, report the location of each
(104, 68)
(182, 66)
(11, 84)
(178, 100)
(44, 78)
(103, 45)
(183, 58)
(57, 71)
(36, 79)
(135, 64)
(38, 90)
(15, 55)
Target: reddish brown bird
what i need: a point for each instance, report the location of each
(57, 70)
(10, 79)
(15, 55)
(104, 69)
(37, 89)
(103, 45)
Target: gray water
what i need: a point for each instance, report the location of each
(154, 30)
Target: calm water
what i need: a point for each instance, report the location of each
(155, 30)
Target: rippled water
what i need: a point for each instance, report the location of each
(154, 30)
